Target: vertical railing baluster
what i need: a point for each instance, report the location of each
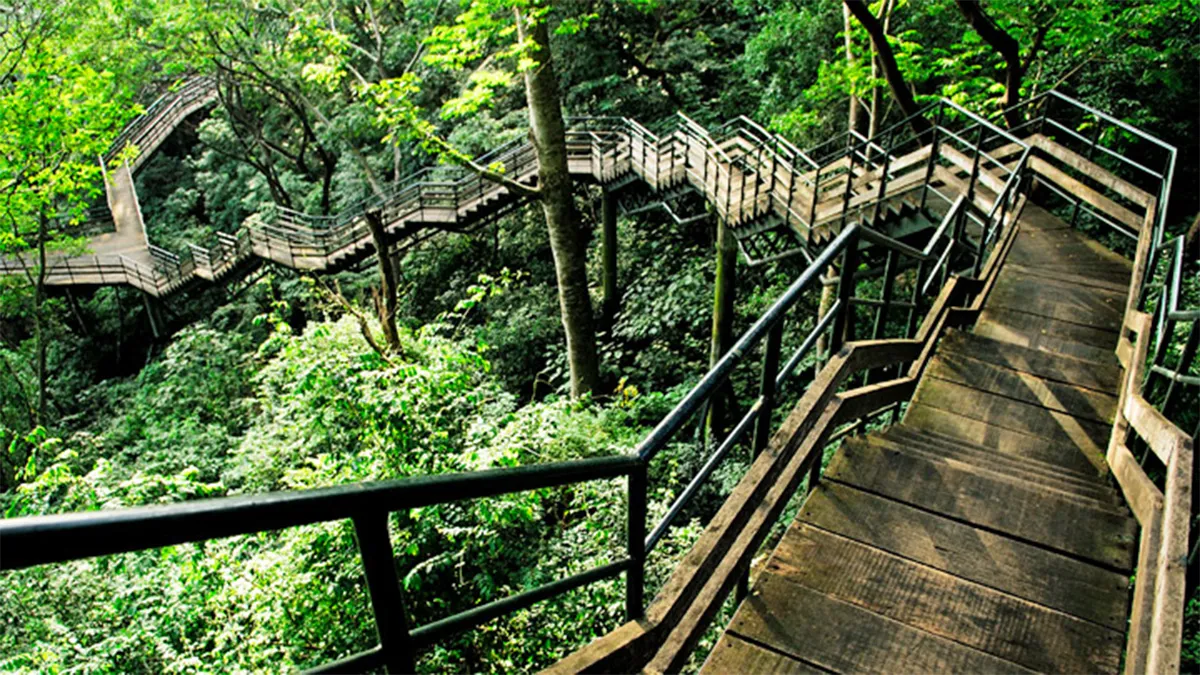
(762, 425)
(934, 155)
(816, 191)
(1090, 152)
(881, 316)
(883, 178)
(843, 323)
(387, 603)
(915, 311)
(849, 186)
(635, 577)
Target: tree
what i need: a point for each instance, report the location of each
(887, 61)
(56, 117)
(495, 23)
(1008, 48)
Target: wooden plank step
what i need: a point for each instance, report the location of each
(732, 654)
(1101, 377)
(1051, 475)
(1026, 387)
(841, 637)
(995, 471)
(1065, 302)
(920, 596)
(1066, 277)
(1067, 249)
(1003, 440)
(1002, 411)
(1039, 332)
(992, 471)
(1028, 513)
(1005, 564)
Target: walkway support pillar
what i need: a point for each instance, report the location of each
(152, 313)
(608, 218)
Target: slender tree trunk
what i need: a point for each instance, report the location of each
(608, 218)
(722, 322)
(876, 94)
(386, 298)
(852, 123)
(567, 240)
(891, 70)
(1008, 48)
(39, 329)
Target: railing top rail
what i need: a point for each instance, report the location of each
(39, 540)
(719, 373)
(981, 121)
(1124, 126)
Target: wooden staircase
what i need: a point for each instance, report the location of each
(983, 533)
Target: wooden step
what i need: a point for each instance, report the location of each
(1068, 250)
(1102, 377)
(1026, 512)
(1004, 440)
(1066, 398)
(1015, 567)
(1052, 335)
(1052, 475)
(1065, 277)
(839, 636)
(1063, 301)
(1002, 411)
(992, 471)
(943, 604)
(735, 655)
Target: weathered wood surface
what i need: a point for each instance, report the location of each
(983, 534)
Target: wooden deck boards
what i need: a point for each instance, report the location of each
(982, 534)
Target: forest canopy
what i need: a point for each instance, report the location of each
(526, 340)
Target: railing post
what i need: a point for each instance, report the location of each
(843, 324)
(757, 180)
(391, 624)
(762, 425)
(915, 311)
(812, 212)
(635, 577)
(881, 316)
(849, 186)
(934, 155)
(1091, 151)
(883, 178)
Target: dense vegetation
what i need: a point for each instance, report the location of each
(272, 385)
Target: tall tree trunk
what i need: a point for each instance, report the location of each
(386, 298)
(1008, 48)
(39, 329)
(891, 70)
(876, 94)
(567, 240)
(855, 113)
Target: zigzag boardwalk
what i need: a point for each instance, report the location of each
(982, 534)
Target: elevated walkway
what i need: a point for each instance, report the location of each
(983, 533)
(776, 199)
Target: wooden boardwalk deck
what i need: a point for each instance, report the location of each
(983, 533)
